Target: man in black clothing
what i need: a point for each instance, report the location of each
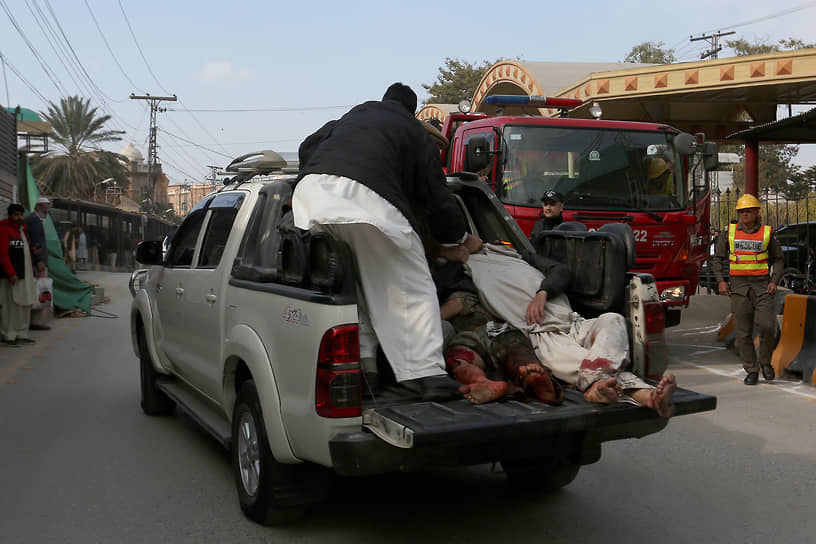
(552, 204)
(372, 179)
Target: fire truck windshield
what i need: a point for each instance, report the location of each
(595, 169)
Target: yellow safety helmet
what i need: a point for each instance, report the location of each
(747, 201)
(657, 167)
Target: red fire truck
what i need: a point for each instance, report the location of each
(648, 175)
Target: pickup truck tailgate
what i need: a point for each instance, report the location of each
(407, 436)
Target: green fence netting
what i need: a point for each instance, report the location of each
(69, 292)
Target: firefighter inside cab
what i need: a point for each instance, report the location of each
(659, 179)
(755, 265)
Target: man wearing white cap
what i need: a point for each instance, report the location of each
(36, 233)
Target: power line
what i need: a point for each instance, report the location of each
(770, 16)
(76, 57)
(44, 65)
(139, 47)
(259, 110)
(20, 76)
(110, 49)
(198, 145)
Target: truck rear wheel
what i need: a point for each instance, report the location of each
(541, 474)
(154, 401)
(270, 493)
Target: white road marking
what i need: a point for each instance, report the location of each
(798, 388)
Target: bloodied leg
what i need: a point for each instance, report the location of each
(467, 367)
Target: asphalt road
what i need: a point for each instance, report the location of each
(79, 462)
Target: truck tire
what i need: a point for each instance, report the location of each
(543, 474)
(154, 400)
(260, 479)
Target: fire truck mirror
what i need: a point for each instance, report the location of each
(711, 159)
(684, 144)
(478, 154)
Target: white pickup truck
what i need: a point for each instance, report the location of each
(250, 326)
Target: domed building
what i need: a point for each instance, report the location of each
(138, 176)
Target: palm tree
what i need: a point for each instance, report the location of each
(80, 162)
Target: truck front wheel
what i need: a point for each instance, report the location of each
(542, 474)
(262, 481)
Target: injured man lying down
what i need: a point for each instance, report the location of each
(511, 331)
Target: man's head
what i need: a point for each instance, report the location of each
(16, 213)
(748, 210)
(42, 207)
(552, 204)
(402, 94)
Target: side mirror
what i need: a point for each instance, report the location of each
(478, 154)
(149, 253)
(684, 144)
(711, 157)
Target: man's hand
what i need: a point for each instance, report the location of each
(772, 288)
(473, 244)
(722, 288)
(13, 279)
(455, 253)
(535, 311)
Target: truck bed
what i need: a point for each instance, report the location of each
(419, 435)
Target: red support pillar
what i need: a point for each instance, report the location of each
(752, 167)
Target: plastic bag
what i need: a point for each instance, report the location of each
(45, 297)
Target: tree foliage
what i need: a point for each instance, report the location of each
(457, 80)
(742, 47)
(776, 170)
(650, 53)
(80, 164)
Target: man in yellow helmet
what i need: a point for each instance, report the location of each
(754, 258)
(659, 178)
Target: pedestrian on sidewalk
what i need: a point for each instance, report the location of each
(755, 265)
(17, 292)
(35, 226)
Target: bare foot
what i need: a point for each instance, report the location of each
(661, 396)
(482, 392)
(604, 391)
(538, 379)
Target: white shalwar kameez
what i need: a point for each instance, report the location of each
(578, 351)
(16, 300)
(399, 295)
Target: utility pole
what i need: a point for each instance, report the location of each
(152, 152)
(213, 170)
(714, 41)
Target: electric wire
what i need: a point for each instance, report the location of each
(259, 110)
(110, 49)
(766, 17)
(139, 48)
(52, 76)
(22, 78)
(76, 57)
(198, 145)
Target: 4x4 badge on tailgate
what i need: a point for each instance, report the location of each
(295, 315)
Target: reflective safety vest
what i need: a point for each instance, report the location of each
(748, 252)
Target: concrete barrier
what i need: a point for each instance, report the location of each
(796, 351)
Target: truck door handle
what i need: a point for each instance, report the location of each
(179, 291)
(210, 298)
(159, 287)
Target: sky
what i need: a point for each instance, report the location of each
(252, 75)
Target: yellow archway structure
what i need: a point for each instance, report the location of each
(718, 97)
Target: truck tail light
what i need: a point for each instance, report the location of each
(338, 390)
(656, 351)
